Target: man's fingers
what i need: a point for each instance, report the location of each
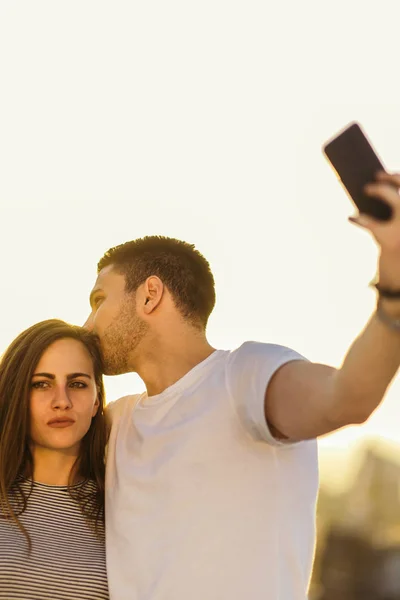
(385, 191)
(364, 221)
(390, 178)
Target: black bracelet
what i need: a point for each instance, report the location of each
(386, 292)
(390, 322)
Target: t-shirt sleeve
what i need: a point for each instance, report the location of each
(115, 409)
(249, 371)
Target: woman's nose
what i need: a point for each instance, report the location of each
(61, 398)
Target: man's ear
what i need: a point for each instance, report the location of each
(152, 293)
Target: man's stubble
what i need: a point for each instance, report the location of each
(120, 340)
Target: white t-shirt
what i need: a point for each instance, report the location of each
(202, 503)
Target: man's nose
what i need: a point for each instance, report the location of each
(88, 324)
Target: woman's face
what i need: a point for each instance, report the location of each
(63, 397)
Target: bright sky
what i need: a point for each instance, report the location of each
(202, 121)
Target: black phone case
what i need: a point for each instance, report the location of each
(356, 164)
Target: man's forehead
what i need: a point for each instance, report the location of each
(105, 275)
(109, 277)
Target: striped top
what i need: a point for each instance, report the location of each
(67, 560)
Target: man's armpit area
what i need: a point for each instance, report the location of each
(276, 389)
(298, 400)
(278, 435)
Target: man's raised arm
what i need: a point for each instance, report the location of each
(305, 400)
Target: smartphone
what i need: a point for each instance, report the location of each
(356, 163)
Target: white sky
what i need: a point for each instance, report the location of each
(203, 121)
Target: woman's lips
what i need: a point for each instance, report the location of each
(61, 424)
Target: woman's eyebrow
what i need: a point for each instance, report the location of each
(47, 375)
(74, 375)
(69, 377)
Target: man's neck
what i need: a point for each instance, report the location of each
(168, 360)
(52, 467)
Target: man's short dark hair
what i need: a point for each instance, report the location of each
(182, 269)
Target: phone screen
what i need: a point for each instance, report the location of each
(356, 164)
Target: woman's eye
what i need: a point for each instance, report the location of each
(78, 385)
(38, 385)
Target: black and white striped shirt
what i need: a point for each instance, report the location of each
(67, 560)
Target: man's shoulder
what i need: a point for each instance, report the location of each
(253, 349)
(258, 361)
(116, 408)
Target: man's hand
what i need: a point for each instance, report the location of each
(386, 233)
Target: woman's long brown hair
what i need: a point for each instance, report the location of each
(17, 367)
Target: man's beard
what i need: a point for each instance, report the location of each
(121, 339)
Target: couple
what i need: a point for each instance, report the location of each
(211, 475)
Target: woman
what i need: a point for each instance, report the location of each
(52, 441)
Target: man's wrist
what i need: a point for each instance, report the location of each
(388, 312)
(388, 276)
(387, 292)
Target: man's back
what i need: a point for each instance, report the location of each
(201, 501)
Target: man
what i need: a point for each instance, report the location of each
(212, 473)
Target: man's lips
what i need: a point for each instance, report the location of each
(60, 423)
